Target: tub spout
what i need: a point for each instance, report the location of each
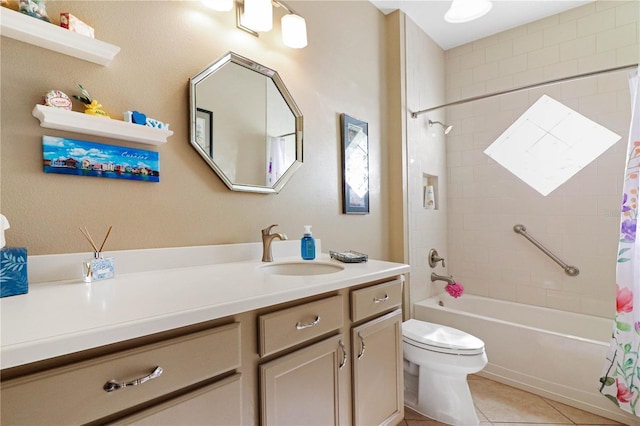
(448, 279)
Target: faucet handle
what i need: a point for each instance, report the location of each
(267, 230)
(434, 258)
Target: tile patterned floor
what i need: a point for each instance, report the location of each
(501, 405)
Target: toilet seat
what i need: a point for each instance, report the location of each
(440, 338)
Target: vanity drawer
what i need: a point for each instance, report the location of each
(370, 301)
(75, 393)
(288, 327)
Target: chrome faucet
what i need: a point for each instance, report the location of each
(267, 238)
(436, 277)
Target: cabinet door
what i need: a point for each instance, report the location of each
(303, 388)
(378, 397)
(217, 404)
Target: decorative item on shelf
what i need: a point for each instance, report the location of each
(98, 268)
(13, 266)
(140, 118)
(92, 106)
(34, 8)
(455, 290)
(57, 99)
(72, 23)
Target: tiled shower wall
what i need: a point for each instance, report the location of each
(579, 220)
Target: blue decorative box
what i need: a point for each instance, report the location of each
(13, 271)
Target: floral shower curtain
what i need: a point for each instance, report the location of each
(621, 376)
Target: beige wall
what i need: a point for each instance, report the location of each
(163, 45)
(578, 221)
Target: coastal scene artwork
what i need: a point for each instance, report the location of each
(82, 158)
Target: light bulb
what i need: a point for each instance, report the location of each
(258, 15)
(294, 31)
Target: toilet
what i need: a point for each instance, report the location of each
(437, 360)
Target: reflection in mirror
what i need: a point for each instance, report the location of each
(245, 124)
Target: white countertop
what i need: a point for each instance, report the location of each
(65, 316)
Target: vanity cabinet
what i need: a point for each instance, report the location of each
(305, 387)
(377, 377)
(218, 403)
(377, 371)
(310, 386)
(330, 358)
(91, 390)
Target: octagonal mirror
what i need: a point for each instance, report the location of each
(245, 124)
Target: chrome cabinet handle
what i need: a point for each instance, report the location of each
(362, 346)
(112, 385)
(301, 326)
(377, 299)
(344, 355)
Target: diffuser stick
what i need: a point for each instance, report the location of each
(86, 234)
(105, 239)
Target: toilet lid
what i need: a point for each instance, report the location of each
(440, 338)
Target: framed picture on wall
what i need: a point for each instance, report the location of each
(355, 165)
(204, 130)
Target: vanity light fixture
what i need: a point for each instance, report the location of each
(255, 16)
(467, 10)
(294, 30)
(219, 5)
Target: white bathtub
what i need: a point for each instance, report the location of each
(558, 355)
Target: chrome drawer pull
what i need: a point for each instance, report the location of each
(300, 326)
(112, 385)
(362, 347)
(379, 300)
(344, 355)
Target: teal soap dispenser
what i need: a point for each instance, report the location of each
(308, 244)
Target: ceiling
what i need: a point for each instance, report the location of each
(505, 14)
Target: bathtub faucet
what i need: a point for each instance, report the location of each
(435, 277)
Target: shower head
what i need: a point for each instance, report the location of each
(446, 127)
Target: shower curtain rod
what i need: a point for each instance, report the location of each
(530, 86)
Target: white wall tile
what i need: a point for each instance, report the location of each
(514, 64)
(561, 70)
(577, 13)
(472, 59)
(597, 22)
(617, 37)
(545, 56)
(499, 51)
(544, 23)
(527, 43)
(578, 47)
(628, 55)
(560, 33)
(627, 13)
(597, 61)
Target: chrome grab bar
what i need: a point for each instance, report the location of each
(572, 271)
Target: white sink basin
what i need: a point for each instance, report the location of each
(302, 268)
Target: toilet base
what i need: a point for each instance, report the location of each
(451, 404)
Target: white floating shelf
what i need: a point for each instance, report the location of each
(34, 31)
(62, 119)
